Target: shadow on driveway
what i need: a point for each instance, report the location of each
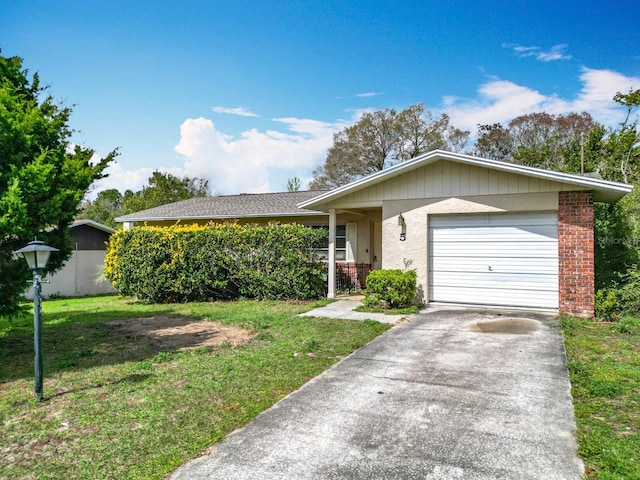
(450, 394)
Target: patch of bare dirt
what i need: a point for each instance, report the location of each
(170, 333)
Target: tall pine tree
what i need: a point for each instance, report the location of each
(43, 178)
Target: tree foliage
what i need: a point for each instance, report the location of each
(622, 148)
(161, 188)
(105, 208)
(43, 178)
(536, 139)
(383, 138)
(563, 142)
(294, 184)
(617, 227)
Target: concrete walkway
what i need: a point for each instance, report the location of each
(451, 394)
(344, 309)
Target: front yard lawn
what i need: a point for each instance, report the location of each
(130, 396)
(604, 366)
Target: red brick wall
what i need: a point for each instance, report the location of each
(575, 253)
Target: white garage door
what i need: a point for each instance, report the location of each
(494, 259)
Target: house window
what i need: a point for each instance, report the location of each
(341, 243)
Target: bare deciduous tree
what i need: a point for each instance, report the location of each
(383, 138)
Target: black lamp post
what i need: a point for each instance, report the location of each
(36, 254)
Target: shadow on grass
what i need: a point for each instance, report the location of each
(133, 378)
(75, 340)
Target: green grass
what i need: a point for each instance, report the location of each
(119, 407)
(604, 366)
(389, 311)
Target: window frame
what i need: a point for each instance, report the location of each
(341, 239)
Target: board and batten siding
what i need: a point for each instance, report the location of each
(451, 179)
(495, 259)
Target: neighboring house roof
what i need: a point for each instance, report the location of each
(93, 224)
(604, 191)
(246, 205)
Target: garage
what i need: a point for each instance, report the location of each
(494, 259)
(478, 231)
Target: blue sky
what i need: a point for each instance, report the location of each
(249, 93)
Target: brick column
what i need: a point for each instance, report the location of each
(576, 253)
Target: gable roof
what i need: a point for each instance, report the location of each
(604, 191)
(94, 224)
(246, 205)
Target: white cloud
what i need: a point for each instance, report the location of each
(557, 52)
(241, 111)
(599, 87)
(368, 94)
(448, 100)
(521, 49)
(262, 160)
(310, 128)
(249, 163)
(499, 101)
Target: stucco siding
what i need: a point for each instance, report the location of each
(414, 249)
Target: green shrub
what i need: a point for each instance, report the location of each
(607, 304)
(213, 262)
(373, 300)
(627, 325)
(622, 298)
(393, 287)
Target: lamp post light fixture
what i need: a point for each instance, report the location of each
(36, 254)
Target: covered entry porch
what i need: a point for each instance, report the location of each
(354, 247)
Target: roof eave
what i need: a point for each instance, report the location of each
(218, 217)
(605, 191)
(93, 224)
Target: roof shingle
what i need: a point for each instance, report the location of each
(230, 206)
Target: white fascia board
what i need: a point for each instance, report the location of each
(94, 224)
(610, 190)
(574, 179)
(218, 217)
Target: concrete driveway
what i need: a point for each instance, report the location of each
(450, 394)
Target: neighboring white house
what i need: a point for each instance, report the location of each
(82, 273)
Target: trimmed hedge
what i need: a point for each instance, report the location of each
(394, 288)
(215, 262)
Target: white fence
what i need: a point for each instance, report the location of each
(80, 276)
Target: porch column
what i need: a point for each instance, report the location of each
(331, 292)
